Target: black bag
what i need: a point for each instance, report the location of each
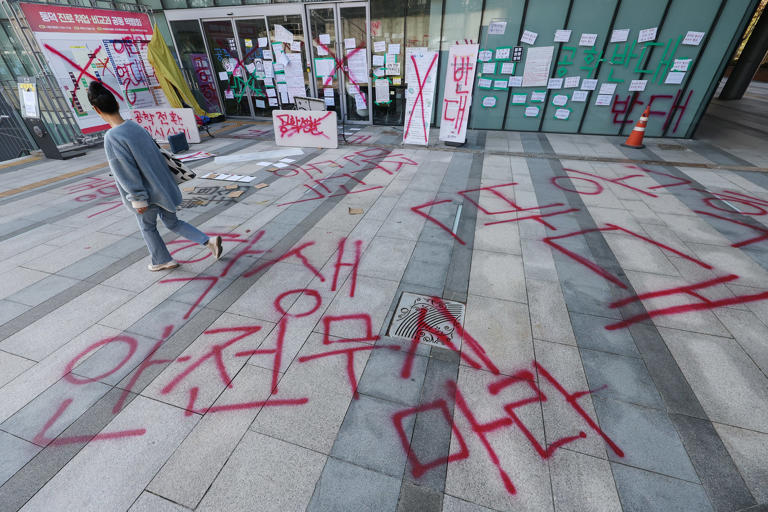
(181, 172)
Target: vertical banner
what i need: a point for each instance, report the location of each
(206, 81)
(82, 45)
(457, 97)
(420, 77)
(28, 98)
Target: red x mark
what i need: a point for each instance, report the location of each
(420, 95)
(81, 70)
(340, 66)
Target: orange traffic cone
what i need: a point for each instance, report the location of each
(635, 139)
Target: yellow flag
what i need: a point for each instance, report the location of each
(170, 77)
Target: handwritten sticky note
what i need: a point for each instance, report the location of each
(515, 81)
(588, 40)
(620, 35)
(647, 34)
(604, 99)
(571, 82)
(579, 96)
(589, 84)
(529, 37)
(638, 85)
(325, 38)
(380, 46)
(693, 38)
(555, 83)
(562, 36)
(607, 88)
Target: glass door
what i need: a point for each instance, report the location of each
(229, 71)
(290, 63)
(250, 79)
(197, 65)
(341, 58)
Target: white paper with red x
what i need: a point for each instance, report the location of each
(420, 78)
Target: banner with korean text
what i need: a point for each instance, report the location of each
(457, 96)
(83, 44)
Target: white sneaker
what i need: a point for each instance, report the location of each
(214, 244)
(163, 266)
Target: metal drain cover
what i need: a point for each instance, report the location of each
(406, 318)
(672, 147)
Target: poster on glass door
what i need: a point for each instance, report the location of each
(82, 45)
(457, 96)
(420, 78)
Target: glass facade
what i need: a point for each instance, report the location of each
(213, 37)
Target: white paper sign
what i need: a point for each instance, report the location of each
(607, 88)
(693, 38)
(562, 113)
(381, 87)
(321, 52)
(681, 64)
(485, 83)
(223, 75)
(674, 78)
(502, 53)
(562, 36)
(579, 96)
(488, 68)
(620, 35)
(378, 60)
(497, 28)
(263, 42)
(267, 54)
(328, 92)
(380, 46)
(489, 101)
(282, 34)
(250, 67)
(647, 34)
(485, 56)
(162, 122)
(350, 43)
(604, 99)
(537, 64)
(457, 94)
(529, 37)
(296, 46)
(555, 83)
(305, 128)
(538, 96)
(419, 94)
(507, 68)
(588, 40)
(638, 85)
(531, 111)
(515, 81)
(499, 84)
(571, 82)
(394, 49)
(589, 84)
(560, 100)
(519, 99)
(325, 38)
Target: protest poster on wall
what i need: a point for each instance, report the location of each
(82, 45)
(420, 77)
(162, 122)
(457, 96)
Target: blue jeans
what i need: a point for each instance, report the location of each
(155, 243)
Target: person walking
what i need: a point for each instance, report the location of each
(144, 181)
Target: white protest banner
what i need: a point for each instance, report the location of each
(82, 45)
(457, 95)
(305, 128)
(420, 78)
(537, 64)
(162, 122)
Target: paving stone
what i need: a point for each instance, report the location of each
(740, 397)
(87, 266)
(10, 310)
(538, 260)
(549, 315)
(18, 279)
(503, 329)
(581, 482)
(16, 453)
(620, 378)
(428, 265)
(561, 420)
(476, 479)
(643, 491)
(267, 473)
(382, 377)
(386, 258)
(12, 366)
(591, 334)
(451, 504)
(639, 255)
(414, 497)
(42, 290)
(345, 487)
(372, 296)
(108, 462)
(149, 502)
(499, 276)
(749, 450)
(750, 333)
(646, 436)
(368, 438)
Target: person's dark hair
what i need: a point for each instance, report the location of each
(100, 97)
